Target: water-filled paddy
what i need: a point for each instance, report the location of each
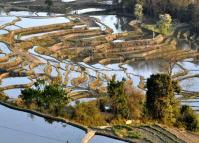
(3, 32)
(14, 81)
(13, 93)
(103, 139)
(68, 0)
(6, 19)
(117, 23)
(28, 14)
(32, 22)
(191, 84)
(82, 100)
(82, 11)
(30, 128)
(4, 48)
(37, 129)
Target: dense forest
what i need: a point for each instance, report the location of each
(181, 10)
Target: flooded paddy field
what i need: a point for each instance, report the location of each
(30, 128)
(86, 51)
(83, 52)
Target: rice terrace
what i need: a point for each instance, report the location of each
(99, 71)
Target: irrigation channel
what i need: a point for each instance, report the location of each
(84, 50)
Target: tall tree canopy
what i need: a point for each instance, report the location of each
(161, 103)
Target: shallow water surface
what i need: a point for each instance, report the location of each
(82, 100)
(32, 22)
(119, 24)
(68, 0)
(14, 81)
(103, 139)
(190, 84)
(28, 128)
(13, 93)
(4, 48)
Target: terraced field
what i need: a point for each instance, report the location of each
(82, 53)
(77, 52)
(157, 134)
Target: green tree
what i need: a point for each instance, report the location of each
(49, 4)
(161, 103)
(138, 12)
(49, 97)
(164, 23)
(119, 100)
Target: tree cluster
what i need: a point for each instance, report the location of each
(126, 102)
(182, 10)
(161, 103)
(51, 97)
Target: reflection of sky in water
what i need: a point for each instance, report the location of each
(14, 81)
(3, 32)
(7, 19)
(190, 65)
(26, 13)
(190, 84)
(191, 103)
(39, 69)
(67, 0)
(142, 68)
(4, 48)
(82, 100)
(103, 139)
(27, 128)
(81, 11)
(176, 69)
(32, 22)
(54, 72)
(118, 24)
(147, 68)
(13, 93)
(12, 27)
(110, 2)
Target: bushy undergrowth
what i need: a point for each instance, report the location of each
(187, 119)
(125, 101)
(88, 114)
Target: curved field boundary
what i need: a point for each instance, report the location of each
(59, 119)
(167, 133)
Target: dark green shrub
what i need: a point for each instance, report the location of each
(188, 118)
